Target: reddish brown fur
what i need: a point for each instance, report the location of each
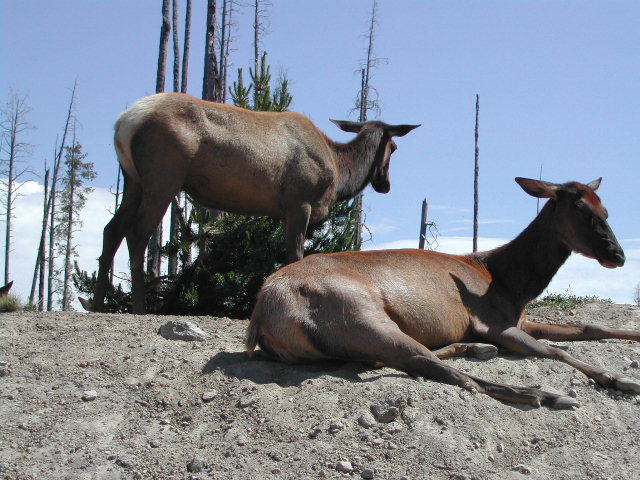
(411, 308)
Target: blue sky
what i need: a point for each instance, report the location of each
(558, 85)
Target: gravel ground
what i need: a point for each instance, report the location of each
(102, 396)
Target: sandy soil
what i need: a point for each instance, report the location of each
(175, 409)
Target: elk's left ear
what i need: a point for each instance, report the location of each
(538, 188)
(348, 126)
(595, 185)
(399, 130)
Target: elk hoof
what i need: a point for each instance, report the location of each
(563, 403)
(627, 384)
(483, 351)
(86, 304)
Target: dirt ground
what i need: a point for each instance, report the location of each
(101, 396)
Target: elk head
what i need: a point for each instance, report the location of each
(384, 148)
(581, 219)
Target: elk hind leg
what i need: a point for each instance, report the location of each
(113, 234)
(380, 340)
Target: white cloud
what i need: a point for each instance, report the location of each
(580, 275)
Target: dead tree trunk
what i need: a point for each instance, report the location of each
(366, 104)
(51, 205)
(423, 225)
(172, 259)
(185, 51)
(154, 260)
(475, 180)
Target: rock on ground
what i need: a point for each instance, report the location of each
(167, 409)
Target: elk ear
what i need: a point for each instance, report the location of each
(348, 126)
(538, 188)
(595, 185)
(399, 130)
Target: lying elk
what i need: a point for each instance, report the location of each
(409, 309)
(228, 158)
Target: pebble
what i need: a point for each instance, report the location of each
(367, 474)
(247, 401)
(344, 466)
(500, 448)
(635, 364)
(154, 443)
(366, 420)
(209, 396)
(182, 330)
(523, 469)
(89, 395)
(197, 464)
(573, 393)
(336, 426)
(389, 407)
(4, 368)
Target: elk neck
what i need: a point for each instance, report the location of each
(355, 161)
(524, 267)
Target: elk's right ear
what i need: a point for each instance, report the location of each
(348, 126)
(538, 188)
(399, 130)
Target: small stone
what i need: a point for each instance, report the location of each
(367, 474)
(635, 364)
(89, 395)
(344, 466)
(247, 401)
(523, 469)
(336, 426)
(573, 393)
(209, 396)
(154, 443)
(491, 458)
(182, 330)
(389, 408)
(197, 464)
(366, 420)
(4, 368)
(500, 448)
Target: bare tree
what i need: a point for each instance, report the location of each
(13, 151)
(185, 51)
(367, 100)
(211, 80)
(636, 295)
(172, 259)
(475, 178)
(51, 204)
(260, 19)
(154, 259)
(226, 26)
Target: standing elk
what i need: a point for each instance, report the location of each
(237, 160)
(409, 309)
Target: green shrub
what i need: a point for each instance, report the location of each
(563, 301)
(10, 303)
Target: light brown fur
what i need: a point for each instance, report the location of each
(228, 158)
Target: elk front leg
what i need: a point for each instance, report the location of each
(297, 220)
(481, 351)
(573, 332)
(520, 341)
